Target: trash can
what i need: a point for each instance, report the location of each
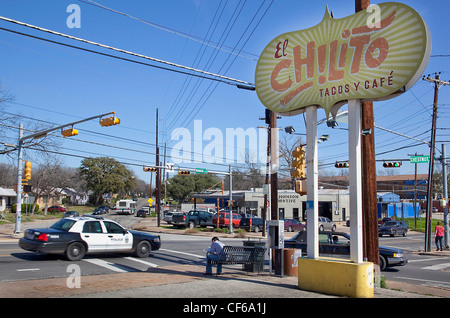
(291, 256)
(258, 266)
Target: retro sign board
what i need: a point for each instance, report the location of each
(374, 54)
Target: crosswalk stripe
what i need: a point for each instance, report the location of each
(141, 261)
(184, 253)
(437, 267)
(108, 265)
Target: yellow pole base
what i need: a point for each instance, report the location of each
(336, 277)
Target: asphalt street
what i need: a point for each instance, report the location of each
(183, 280)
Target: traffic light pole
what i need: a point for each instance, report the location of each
(19, 182)
(39, 134)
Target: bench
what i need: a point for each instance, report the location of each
(244, 255)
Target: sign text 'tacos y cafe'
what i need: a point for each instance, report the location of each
(371, 55)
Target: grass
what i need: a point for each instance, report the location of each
(10, 217)
(420, 223)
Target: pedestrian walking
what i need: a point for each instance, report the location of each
(439, 234)
(213, 255)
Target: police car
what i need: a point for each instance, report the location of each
(77, 236)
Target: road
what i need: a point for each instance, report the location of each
(421, 269)
(17, 264)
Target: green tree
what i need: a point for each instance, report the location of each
(106, 175)
(182, 186)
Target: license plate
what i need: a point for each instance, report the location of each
(29, 235)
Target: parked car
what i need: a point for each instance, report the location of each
(70, 213)
(168, 216)
(192, 219)
(393, 228)
(99, 211)
(338, 243)
(291, 225)
(325, 224)
(141, 213)
(380, 222)
(77, 236)
(55, 208)
(255, 224)
(224, 219)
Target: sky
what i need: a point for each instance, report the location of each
(58, 85)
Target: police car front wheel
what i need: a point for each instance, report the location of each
(143, 249)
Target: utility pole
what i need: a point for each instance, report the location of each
(158, 179)
(445, 194)
(369, 178)
(437, 84)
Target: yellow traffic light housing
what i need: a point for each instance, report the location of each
(184, 172)
(109, 121)
(69, 132)
(27, 174)
(150, 169)
(298, 163)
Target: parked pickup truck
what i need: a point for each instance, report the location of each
(192, 219)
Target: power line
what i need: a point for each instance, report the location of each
(180, 33)
(224, 79)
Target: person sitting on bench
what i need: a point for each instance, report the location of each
(213, 255)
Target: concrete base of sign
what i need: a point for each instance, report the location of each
(336, 277)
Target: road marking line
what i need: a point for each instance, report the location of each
(107, 265)
(425, 259)
(28, 269)
(437, 267)
(141, 261)
(189, 254)
(427, 281)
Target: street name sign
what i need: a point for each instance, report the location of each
(201, 171)
(419, 159)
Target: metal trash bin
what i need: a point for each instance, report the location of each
(291, 256)
(259, 266)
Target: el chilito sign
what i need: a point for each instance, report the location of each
(372, 55)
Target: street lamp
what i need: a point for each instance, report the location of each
(39, 134)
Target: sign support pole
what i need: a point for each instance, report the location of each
(312, 183)
(354, 144)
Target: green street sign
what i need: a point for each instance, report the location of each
(419, 159)
(201, 171)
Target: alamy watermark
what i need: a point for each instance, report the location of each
(213, 145)
(74, 19)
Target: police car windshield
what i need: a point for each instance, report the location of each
(63, 225)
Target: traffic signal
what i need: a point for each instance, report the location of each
(298, 163)
(27, 174)
(342, 164)
(109, 121)
(184, 172)
(150, 169)
(395, 164)
(69, 132)
(300, 187)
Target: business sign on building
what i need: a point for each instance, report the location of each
(374, 54)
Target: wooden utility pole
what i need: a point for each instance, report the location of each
(369, 178)
(158, 179)
(437, 84)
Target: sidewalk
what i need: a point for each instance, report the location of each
(186, 281)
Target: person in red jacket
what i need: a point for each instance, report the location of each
(439, 234)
